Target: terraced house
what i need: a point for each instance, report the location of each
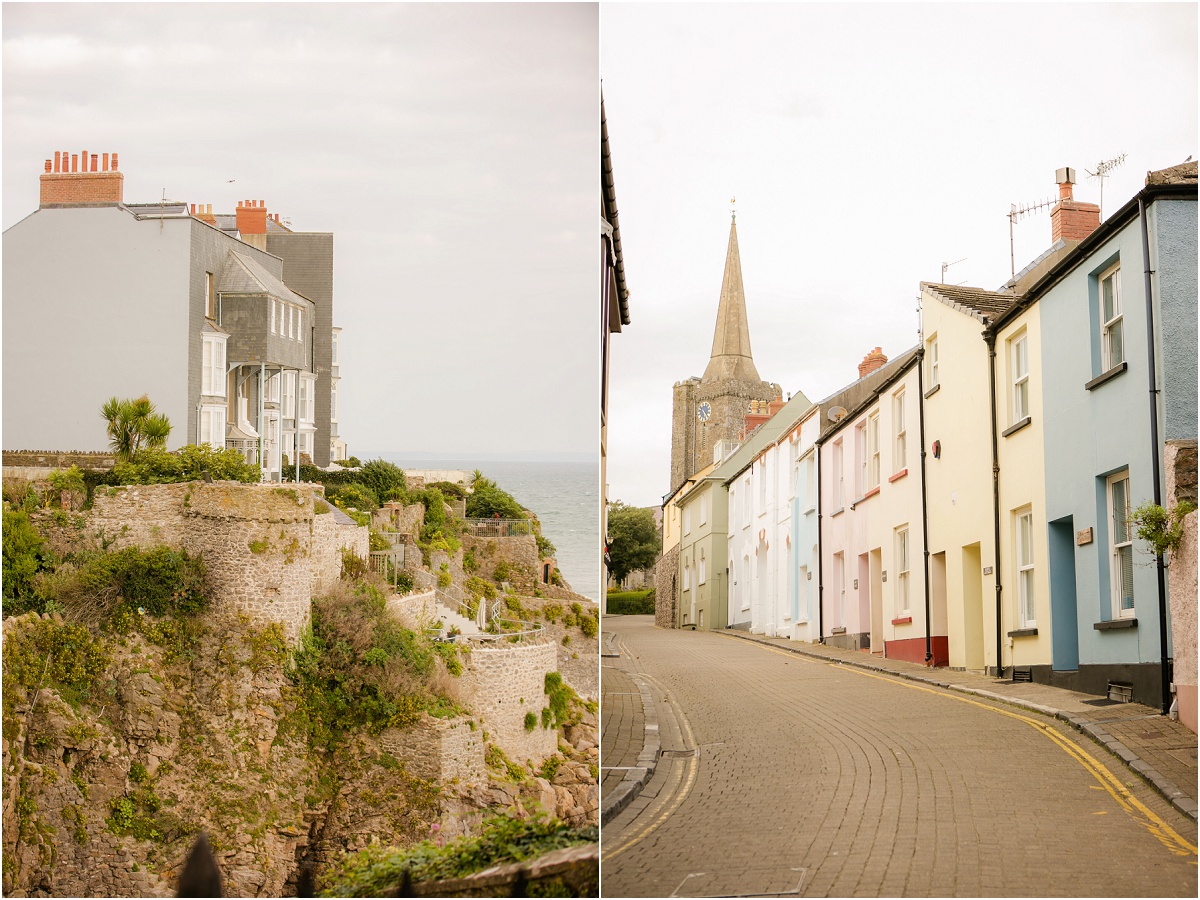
(224, 319)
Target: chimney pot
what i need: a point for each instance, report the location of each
(74, 163)
(114, 162)
(871, 362)
(95, 162)
(57, 160)
(105, 162)
(48, 164)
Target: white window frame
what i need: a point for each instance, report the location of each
(687, 575)
(335, 348)
(272, 392)
(874, 467)
(762, 487)
(1026, 570)
(702, 569)
(272, 302)
(288, 395)
(703, 507)
(1111, 324)
(903, 606)
(210, 297)
(860, 453)
(212, 425)
(333, 399)
(687, 519)
(1120, 547)
(901, 442)
(810, 477)
(212, 362)
(1018, 352)
(746, 504)
(307, 399)
(931, 354)
(300, 324)
(839, 475)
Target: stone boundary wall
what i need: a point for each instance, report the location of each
(569, 872)
(329, 539)
(396, 516)
(503, 683)
(439, 749)
(1180, 460)
(263, 551)
(665, 579)
(56, 459)
(417, 607)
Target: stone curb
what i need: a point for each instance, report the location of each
(1169, 791)
(636, 778)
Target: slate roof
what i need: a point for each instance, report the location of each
(973, 301)
(766, 433)
(242, 275)
(858, 394)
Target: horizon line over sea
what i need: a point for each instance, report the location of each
(564, 493)
(421, 456)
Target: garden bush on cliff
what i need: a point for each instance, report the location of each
(189, 463)
(357, 667)
(24, 556)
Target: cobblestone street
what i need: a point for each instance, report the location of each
(783, 774)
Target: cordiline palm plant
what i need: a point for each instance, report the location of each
(132, 425)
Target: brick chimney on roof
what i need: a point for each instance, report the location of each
(758, 412)
(81, 179)
(1069, 220)
(871, 362)
(252, 222)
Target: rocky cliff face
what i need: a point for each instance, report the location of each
(109, 777)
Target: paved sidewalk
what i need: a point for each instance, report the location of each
(1163, 752)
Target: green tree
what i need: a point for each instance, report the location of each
(133, 425)
(489, 500)
(634, 541)
(24, 556)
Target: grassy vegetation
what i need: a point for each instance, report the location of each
(502, 839)
(631, 603)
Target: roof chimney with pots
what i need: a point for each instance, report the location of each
(252, 222)
(1070, 220)
(66, 182)
(871, 362)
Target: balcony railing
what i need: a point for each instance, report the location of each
(497, 527)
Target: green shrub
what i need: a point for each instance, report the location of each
(531, 721)
(631, 603)
(69, 480)
(450, 489)
(354, 496)
(382, 478)
(545, 548)
(590, 625)
(189, 463)
(489, 500)
(160, 581)
(24, 556)
(45, 653)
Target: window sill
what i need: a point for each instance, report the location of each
(802, 621)
(903, 620)
(810, 510)
(1106, 376)
(1024, 632)
(1017, 427)
(871, 493)
(841, 630)
(933, 390)
(1115, 624)
(898, 475)
(837, 512)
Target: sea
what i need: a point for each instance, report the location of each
(565, 496)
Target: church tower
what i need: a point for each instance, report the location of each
(711, 409)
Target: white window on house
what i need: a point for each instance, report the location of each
(333, 388)
(212, 426)
(308, 398)
(931, 361)
(860, 454)
(300, 324)
(873, 449)
(1112, 322)
(1019, 355)
(212, 377)
(272, 302)
(704, 507)
(291, 322)
(687, 575)
(839, 582)
(1025, 595)
(793, 465)
(289, 395)
(1121, 543)
(306, 442)
(210, 296)
(902, 589)
(272, 395)
(746, 502)
(687, 519)
(810, 479)
(901, 450)
(702, 573)
(762, 487)
(335, 349)
(839, 476)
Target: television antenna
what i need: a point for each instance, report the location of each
(1102, 169)
(947, 265)
(1015, 214)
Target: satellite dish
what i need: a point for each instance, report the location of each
(837, 413)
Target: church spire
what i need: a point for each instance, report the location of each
(731, 357)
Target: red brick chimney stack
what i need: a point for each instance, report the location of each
(1070, 220)
(69, 180)
(252, 217)
(871, 362)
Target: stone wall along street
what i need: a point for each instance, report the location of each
(505, 682)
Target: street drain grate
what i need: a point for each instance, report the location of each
(678, 754)
(1103, 701)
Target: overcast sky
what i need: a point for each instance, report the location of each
(452, 149)
(866, 145)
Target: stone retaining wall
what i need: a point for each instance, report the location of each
(503, 683)
(264, 549)
(46, 460)
(665, 584)
(1180, 459)
(439, 749)
(519, 551)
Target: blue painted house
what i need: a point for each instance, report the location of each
(1107, 608)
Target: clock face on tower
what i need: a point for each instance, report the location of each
(704, 411)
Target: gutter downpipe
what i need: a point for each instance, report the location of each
(990, 338)
(820, 566)
(924, 502)
(1162, 583)
(262, 411)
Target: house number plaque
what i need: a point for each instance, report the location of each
(1084, 536)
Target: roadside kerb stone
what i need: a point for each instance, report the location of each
(638, 776)
(1171, 792)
